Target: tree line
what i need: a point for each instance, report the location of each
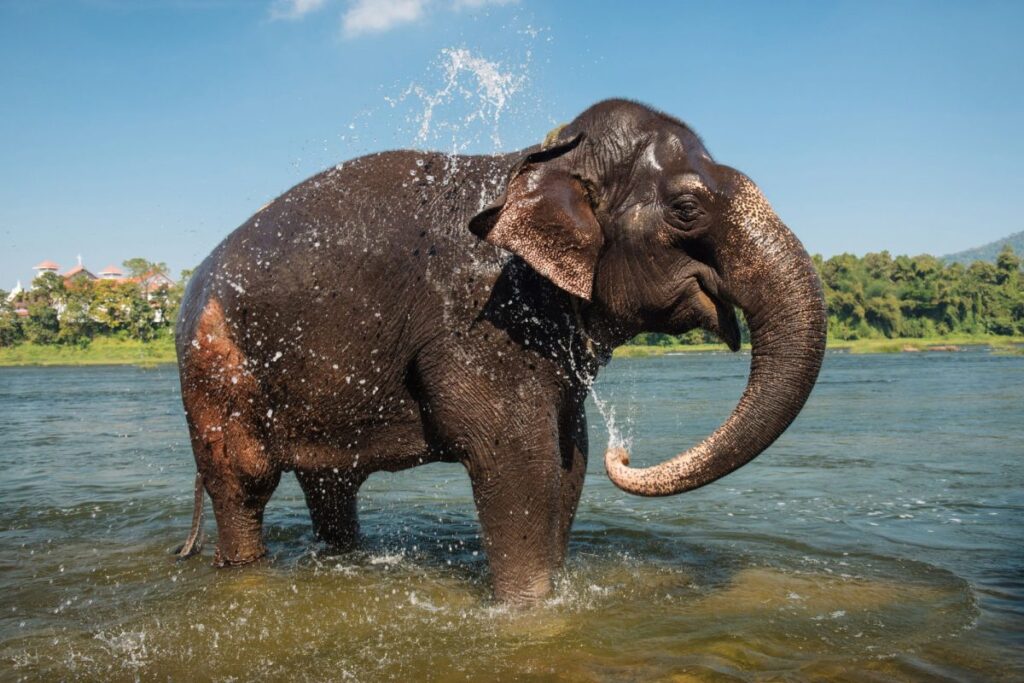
(877, 296)
(73, 311)
(869, 297)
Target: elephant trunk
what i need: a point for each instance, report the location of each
(768, 274)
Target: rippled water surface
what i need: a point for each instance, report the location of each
(881, 538)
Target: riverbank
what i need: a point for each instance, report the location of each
(101, 351)
(111, 351)
(951, 343)
(899, 345)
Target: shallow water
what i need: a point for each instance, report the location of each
(881, 538)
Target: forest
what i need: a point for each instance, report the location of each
(871, 297)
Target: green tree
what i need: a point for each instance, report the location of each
(172, 299)
(11, 331)
(49, 287)
(1008, 266)
(42, 325)
(138, 266)
(114, 304)
(77, 325)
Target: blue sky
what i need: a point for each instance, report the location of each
(153, 128)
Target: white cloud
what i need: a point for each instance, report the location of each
(476, 4)
(375, 16)
(294, 9)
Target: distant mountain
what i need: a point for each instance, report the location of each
(987, 252)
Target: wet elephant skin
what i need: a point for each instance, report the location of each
(410, 307)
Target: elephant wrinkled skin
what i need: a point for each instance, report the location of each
(412, 307)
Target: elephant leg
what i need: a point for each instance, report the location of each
(240, 479)
(236, 467)
(331, 498)
(506, 430)
(520, 510)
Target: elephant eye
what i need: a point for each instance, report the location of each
(687, 210)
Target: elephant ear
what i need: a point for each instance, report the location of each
(545, 217)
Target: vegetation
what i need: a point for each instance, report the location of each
(879, 296)
(78, 320)
(875, 304)
(101, 351)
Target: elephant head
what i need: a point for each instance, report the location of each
(625, 209)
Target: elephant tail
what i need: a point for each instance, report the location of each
(194, 543)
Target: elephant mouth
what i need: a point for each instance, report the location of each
(718, 317)
(703, 304)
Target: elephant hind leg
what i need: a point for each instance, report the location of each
(240, 479)
(237, 471)
(331, 498)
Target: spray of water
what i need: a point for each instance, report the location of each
(607, 411)
(464, 99)
(474, 91)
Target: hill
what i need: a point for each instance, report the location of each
(987, 252)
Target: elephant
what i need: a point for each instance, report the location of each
(409, 307)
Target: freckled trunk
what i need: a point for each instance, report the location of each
(771, 278)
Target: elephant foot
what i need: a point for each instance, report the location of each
(240, 544)
(340, 542)
(222, 560)
(523, 594)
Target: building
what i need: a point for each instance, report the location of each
(77, 274)
(150, 283)
(111, 272)
(45, 267)
(16, 292)
(15, 299)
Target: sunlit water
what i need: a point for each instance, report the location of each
(879, 539)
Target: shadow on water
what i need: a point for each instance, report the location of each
(880, 539)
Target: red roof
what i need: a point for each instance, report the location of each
(76, 270)
(111, 270)
(45, 265)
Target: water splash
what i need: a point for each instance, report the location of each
(466, 109)
(607, 411)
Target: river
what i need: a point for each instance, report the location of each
(881, 538)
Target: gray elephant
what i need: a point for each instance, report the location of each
(411, 307)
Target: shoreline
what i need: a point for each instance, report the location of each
(101, 351)
(113, 351)
(952, 343)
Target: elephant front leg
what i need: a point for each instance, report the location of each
(521, 518)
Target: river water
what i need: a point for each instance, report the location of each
(881, 538)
